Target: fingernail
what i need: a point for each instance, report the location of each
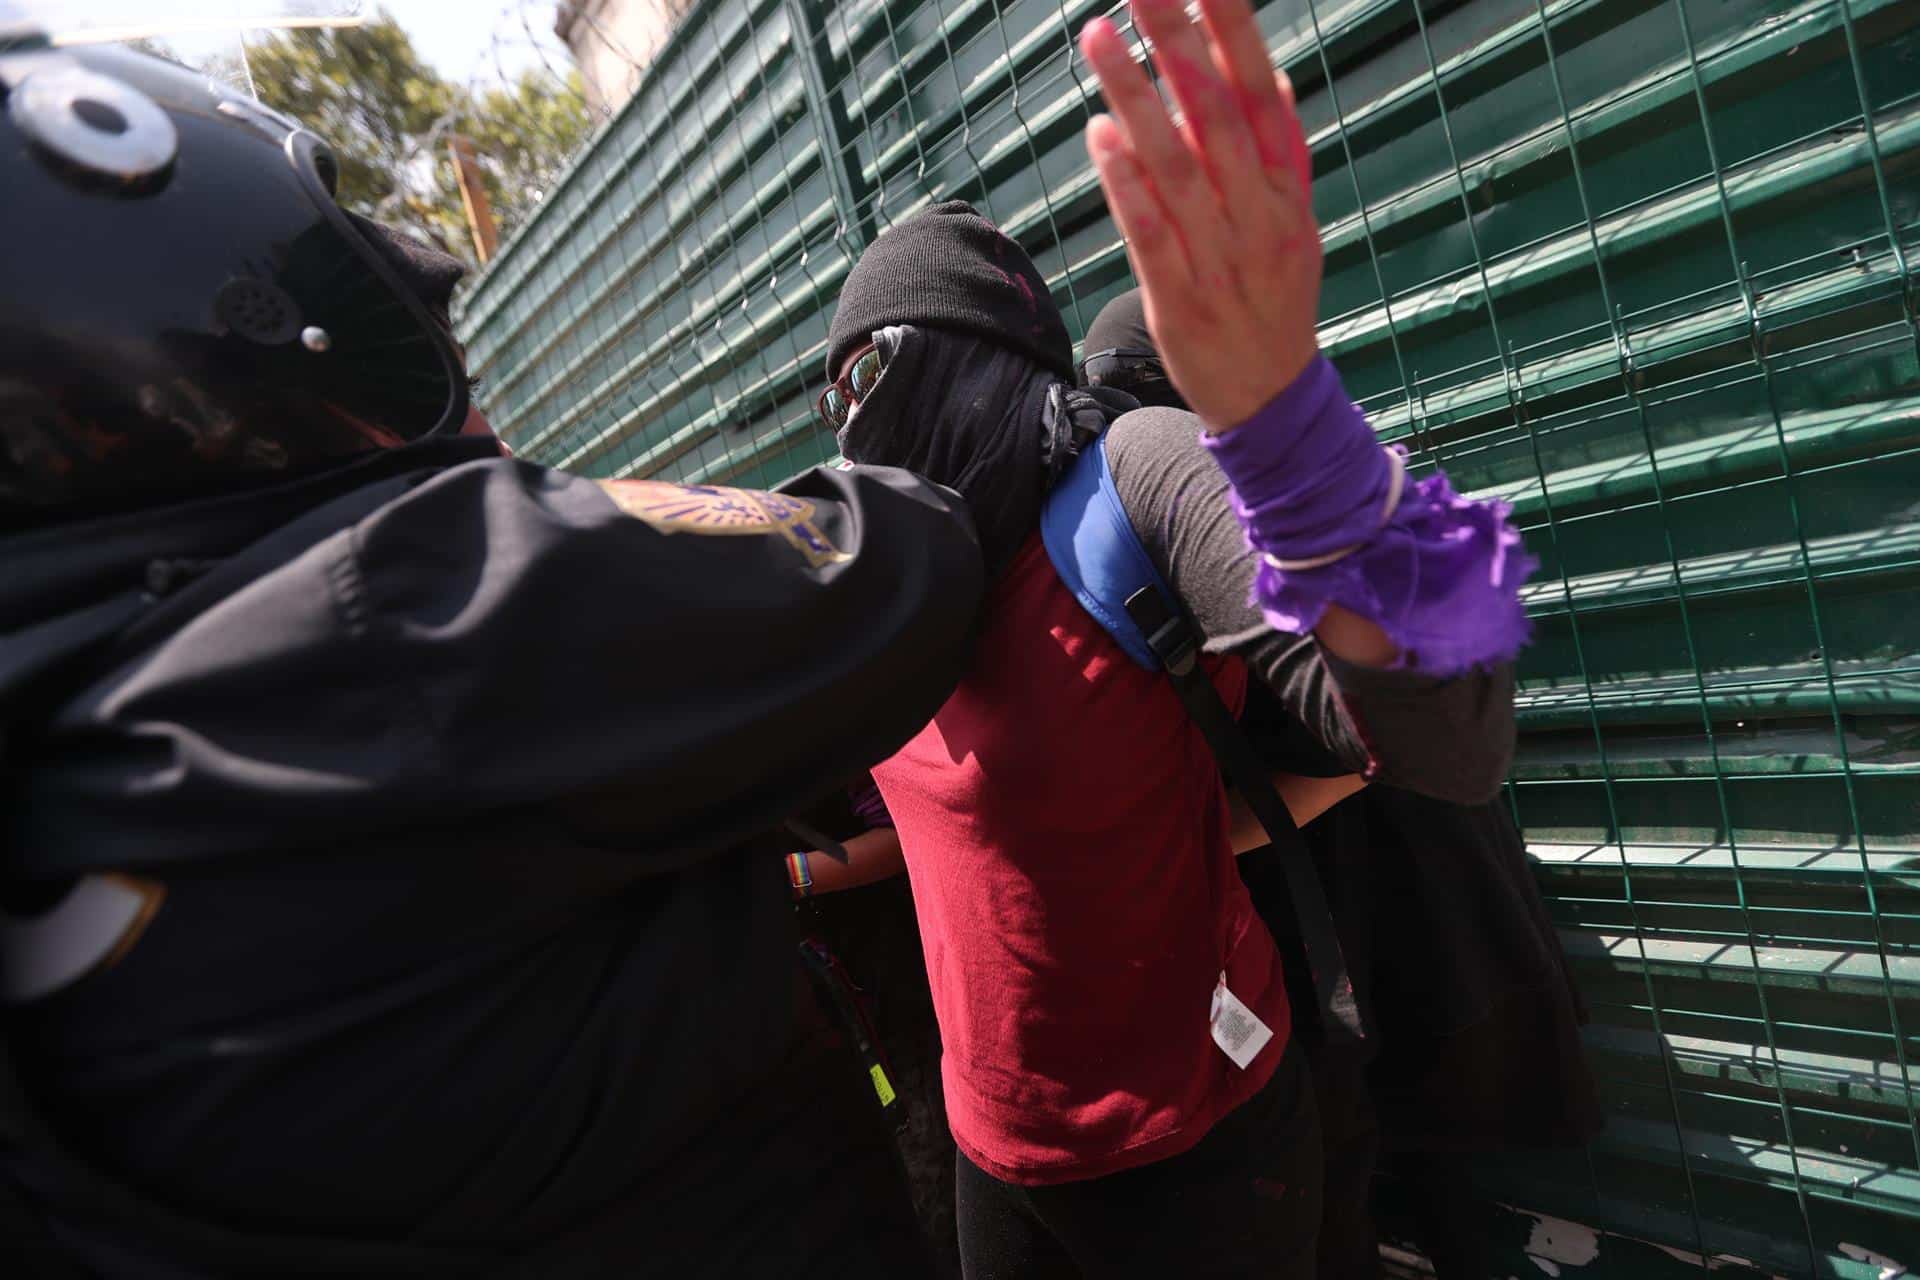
(1096, 30)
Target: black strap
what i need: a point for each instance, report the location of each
(832, 980)
(1174, 641)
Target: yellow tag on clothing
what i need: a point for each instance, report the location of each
(881, 1085)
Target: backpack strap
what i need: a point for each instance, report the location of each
(1175, 642)
(1098, 555)
(1096, 552)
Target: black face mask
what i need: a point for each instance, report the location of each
(973, 416)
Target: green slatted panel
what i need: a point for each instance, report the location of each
(1642, 268)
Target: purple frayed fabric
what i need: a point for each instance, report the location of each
(868, 806)
(1441, 577)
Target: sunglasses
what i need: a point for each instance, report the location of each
(1122, 367)
(838, 401)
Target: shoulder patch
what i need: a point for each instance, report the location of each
(718, 510)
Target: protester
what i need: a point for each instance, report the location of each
(1474, 970)
(1063, 822)
(392, 873)
(871, 935)
(871, 939)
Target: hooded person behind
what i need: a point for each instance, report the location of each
(1120, 355)
(1456, 962)
(1061, 817)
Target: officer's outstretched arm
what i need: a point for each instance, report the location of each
(666, 669)
(675, 666)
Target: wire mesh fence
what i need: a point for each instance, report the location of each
(1643, 268)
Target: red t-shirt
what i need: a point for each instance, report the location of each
(1066, 834)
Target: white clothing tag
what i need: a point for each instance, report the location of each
(1236, 1029)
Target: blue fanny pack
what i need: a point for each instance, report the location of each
(1098, 555)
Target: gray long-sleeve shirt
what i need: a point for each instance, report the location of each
(1447, 738)
(1452, 950)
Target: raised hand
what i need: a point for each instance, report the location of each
(1215, 207)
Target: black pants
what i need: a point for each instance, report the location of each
(1244, 1202)
(1349, 1247)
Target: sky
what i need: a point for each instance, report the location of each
(463, 39)
(456, 36)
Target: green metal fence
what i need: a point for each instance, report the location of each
(1645, 268)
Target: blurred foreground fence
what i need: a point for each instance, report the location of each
(1645, 268)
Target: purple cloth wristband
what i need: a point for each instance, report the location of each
(1441, 575)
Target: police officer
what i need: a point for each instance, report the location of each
(386, 885)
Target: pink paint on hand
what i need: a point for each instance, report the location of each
(1300, 158)
(1292, 152)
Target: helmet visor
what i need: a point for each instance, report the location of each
(219, 321)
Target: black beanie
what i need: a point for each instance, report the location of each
(949, 268)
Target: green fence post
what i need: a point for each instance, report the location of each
(835, 131)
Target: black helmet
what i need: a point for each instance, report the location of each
(183, 306)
